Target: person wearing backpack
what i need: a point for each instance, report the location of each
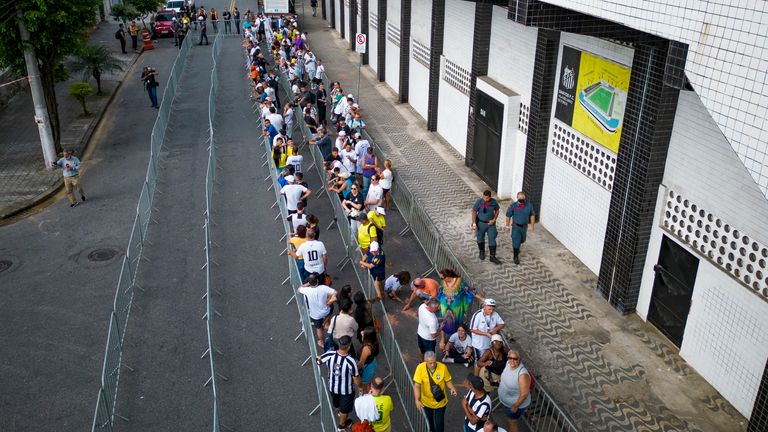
(120, 35)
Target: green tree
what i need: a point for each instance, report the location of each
(146, 7)
(93, 60)
(124, 13)
(58, 30)
(80, 91)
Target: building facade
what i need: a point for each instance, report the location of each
(638, 130)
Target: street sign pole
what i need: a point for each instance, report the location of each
(361, 41)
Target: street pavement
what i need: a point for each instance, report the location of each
(56, 301)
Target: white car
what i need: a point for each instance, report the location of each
(178, 5)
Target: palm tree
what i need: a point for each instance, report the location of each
(93, 60)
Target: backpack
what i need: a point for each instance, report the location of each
(363, 426)
(117, 34)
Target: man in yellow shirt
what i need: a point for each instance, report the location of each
(376, 216)
(384, 407)
(366, 233)
(428, 372)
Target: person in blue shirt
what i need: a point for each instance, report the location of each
(375, 261)
(520, 214)
(269, 129)
(484, 214)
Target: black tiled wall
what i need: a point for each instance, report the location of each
(435, 51)
(381, 41)
(364, 28)
(343, 24)
(332, 12)
(405, 50)
(648, 120)
(542, 88)
(759, 420)
(352, 23)
(481, 43)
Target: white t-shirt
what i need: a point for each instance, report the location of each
(295, 161)
(319, 72)
(347, 158)
(340, 142)
(297, 220)
(317, 299)
(392, 284)
(484, 323)
(293, 193)
(386, 179)
(277, 120)
(428, 323)
(265, 112)
(375, 192)
(460, 345)
(313, 252)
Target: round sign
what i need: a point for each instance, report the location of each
(361, 38)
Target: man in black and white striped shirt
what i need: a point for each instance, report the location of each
(342, 374)
(476, 405)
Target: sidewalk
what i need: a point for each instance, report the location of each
(608, 372)
(24, 181)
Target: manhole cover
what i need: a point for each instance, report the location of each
(5, 265)
(103, 254)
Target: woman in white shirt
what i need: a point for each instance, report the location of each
(386, 182)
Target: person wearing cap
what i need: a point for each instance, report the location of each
(484, 214)
(476, 405)
(70, 166)
(293, 193)
(424, 288)
(376, 216)
(520, 214)
(342, 375)
(319, 297)
(485, 323)
(203, 29)
(515, 389)
(341, 140)
(432, 400)
(375, 262)
(490, 366)
(366, 233)
(341, 185)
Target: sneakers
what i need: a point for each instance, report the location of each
(83, 198)
(74, 204)
(447, 359)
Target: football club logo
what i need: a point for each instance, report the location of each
(569, 79)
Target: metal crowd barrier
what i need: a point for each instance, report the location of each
(399, 373)
(210, 179)
(544, 414)
(106, 401)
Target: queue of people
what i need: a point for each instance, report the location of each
(345, 328)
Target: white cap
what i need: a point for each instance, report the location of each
(290, 179)
(200, 18)
(374, 247)
(355, 105)
(342, 133)
(357, 135)
(380, 210)
(350, 96)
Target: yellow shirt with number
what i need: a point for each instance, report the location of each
(440, 377)
(384, 408)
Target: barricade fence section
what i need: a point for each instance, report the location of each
(399, 373)
(544, 414)
(106, 401)
(210, 179)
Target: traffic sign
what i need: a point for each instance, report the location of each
(360, 38)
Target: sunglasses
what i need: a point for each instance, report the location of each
(513, 358)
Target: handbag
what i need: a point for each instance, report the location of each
(437, 393)
(329, 344)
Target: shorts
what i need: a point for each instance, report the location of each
(367, 373)
(426, 345)
(386, 192)
(423, 295)
(514, 415)
(318, 323)
(378, 276)
(345, 403)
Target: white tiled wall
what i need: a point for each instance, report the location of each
(421, 22)
(452, 114)
(459, 29)
(337, 14)
(512, 54)
(373, 38)
(392, 64)
(727, 61)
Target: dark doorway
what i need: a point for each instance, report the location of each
(672, 289)
(487, 152)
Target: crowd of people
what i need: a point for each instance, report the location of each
(345, 328)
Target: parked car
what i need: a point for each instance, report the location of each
(178, 5)
(164, 23)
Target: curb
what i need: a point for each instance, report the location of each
(85, 142)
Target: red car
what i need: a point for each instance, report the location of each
(164, 23)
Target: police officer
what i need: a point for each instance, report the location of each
(520, 214)
(484, 214)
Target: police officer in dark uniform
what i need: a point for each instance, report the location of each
(520, 213)
(484, 214)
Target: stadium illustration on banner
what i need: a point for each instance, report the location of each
(592, 95)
